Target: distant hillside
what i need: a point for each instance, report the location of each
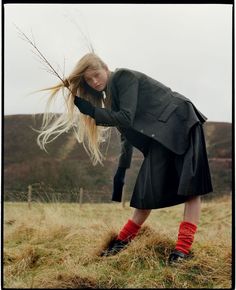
(66, 166)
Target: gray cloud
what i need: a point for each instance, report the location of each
(187, 47)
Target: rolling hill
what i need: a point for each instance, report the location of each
(66, 167)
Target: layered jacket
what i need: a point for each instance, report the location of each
(143, 108)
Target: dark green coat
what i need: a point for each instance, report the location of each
(150, 108)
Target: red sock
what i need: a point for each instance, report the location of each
(129, 231)
(185, 237)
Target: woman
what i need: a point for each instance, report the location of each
(164, 125)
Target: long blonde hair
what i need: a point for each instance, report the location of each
(85, 129)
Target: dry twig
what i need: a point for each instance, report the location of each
(48, 66)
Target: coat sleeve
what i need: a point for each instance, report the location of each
(126, 153)
(127, 90)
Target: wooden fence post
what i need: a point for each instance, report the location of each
(123, 196)
(81, 196)
(29, 196)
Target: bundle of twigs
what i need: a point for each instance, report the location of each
(47, 65)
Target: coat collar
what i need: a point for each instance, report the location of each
(107, 90)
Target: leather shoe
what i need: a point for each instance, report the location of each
(177, 256)
(114, 248)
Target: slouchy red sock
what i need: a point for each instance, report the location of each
(185, 237)
(129, 231)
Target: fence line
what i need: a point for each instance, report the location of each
(79, 196)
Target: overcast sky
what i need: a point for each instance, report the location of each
(187, 47)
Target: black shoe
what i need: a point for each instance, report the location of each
(114, 248)
(177, 256)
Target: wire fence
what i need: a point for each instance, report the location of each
(41, 193)
(79, 196)
(56, 196)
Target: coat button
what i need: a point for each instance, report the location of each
(153, 135)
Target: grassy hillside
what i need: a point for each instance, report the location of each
(58, 245)
(66, 166)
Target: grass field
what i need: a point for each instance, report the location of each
(57, 246)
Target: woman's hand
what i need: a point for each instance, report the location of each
(84, 106)
(118, 183)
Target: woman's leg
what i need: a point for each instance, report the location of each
(140, 215)
(188, 226)
(192, 210)
(128, 232)
(131, 228)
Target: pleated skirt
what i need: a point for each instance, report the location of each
(167, 179)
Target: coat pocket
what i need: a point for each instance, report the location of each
(167, 112)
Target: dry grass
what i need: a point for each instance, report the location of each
(58, 246)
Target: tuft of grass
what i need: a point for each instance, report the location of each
(65, 280)
(59, 245)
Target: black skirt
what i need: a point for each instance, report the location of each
(166, 179)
